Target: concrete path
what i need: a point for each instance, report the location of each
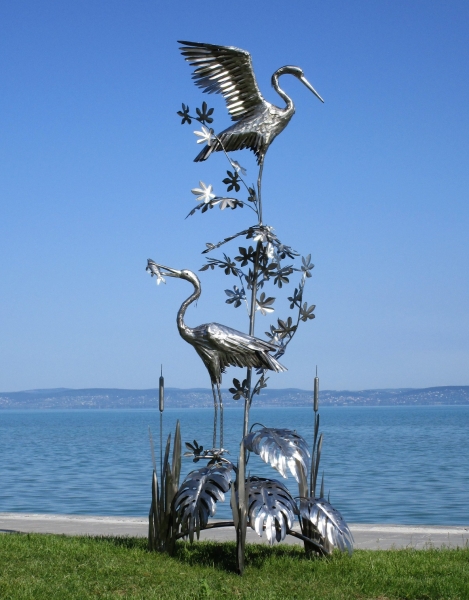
(370, 537)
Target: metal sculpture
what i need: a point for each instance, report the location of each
(228, 71)
(217, 345)
(264, 504)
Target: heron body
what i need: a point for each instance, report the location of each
(217, 345)
(228, 71)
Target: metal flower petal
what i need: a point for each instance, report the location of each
(228, 202)
(204, 193)
(196, 499)
(265, 304)
(281, 448)
(206, 136)
(271, 508)
(329, 523)
(239, 169)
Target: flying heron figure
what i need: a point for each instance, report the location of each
(217, 345)
(228, 71)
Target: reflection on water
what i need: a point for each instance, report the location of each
(382, 465)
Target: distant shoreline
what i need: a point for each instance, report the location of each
(111, 398)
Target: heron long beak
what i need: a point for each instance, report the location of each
(310, 87)
(160, 271)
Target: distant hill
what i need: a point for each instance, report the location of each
(200, 397)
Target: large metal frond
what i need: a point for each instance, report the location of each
(329, 522)
(271, 508)
(281, 448)
(196, 499)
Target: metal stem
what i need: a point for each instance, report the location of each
(208, 526)
(252, 318)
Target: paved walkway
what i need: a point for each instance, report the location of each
(371, 537)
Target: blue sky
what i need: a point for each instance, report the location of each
(96, 172)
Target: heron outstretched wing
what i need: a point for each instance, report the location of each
(225, 70)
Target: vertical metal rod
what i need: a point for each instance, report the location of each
(252, 318)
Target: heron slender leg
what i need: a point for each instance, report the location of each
(215, 418)
(221, 414)
(259, 183)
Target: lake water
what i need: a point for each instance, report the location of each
(382, 464)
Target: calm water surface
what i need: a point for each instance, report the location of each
(382, 465)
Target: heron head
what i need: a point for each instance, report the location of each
(160, 272)
(298, 73)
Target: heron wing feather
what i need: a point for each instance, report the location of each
(225, 70)
(241, 350)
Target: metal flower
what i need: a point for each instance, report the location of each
(204, 114)
(235, 296)
(194, 450)
(285, 328)
(329, 523)
(240, 390)
(265, 304)
(262, 233)
(307, 265)
(229, 202)
(232, 181)
(206, 136)
(281, 276)
(246, 256)
(281, 448)
(296, 298)
(235, 164)
(260, 385)
(271, 508)
(204, 193)
(184, 113)
(273, 335)
(307, 312)
(196, 499)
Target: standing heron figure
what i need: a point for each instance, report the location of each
(217, 345)
(228, 71)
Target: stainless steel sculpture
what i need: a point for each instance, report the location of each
(263, 262)
(217, 345)
(228, 71)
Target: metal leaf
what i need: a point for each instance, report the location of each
(281, 448)
(196, 499)
(329, 523)
(271, 508)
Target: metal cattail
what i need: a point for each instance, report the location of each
(316, 392)
(161, 391)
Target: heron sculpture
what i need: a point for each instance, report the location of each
(228, 71)
(217, 345)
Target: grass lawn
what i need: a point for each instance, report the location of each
(47, 567)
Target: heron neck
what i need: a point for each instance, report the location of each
(290, 108)
(184, 330)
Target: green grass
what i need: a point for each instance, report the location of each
(48, 567)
